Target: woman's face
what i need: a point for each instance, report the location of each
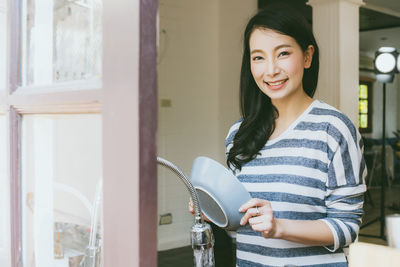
(278, 63)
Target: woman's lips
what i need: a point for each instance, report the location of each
(276, 85)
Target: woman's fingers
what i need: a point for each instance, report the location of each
(264, 224)
(252, 212)
(254, 202)
(191, 208)
(205, 218)
(254, 208)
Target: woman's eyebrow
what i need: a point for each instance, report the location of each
(276, 48)
(256, 51)
(282, 46)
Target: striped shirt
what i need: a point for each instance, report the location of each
(313, 171)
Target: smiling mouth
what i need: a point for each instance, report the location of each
(277, 83)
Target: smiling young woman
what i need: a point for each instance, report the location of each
(277, 65)
(300, 159)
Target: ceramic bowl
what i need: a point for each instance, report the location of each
(220, 192)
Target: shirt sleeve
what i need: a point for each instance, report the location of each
(345, 185)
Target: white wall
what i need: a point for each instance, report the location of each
(233, 17)
(187, 75)
(198, 71)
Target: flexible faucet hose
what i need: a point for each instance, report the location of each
(189, 186)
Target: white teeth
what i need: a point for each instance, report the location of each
(276, 83)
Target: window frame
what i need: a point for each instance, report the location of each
(369, 82)
(129, 163)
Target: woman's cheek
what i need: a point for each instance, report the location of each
(258, 72)
(293, 65)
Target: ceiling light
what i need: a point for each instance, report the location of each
(385, 64)
(386, 49)
(398, 63)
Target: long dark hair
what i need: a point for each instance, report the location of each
(258, 112)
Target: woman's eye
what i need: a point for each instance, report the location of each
(284, 53)
(257, 58)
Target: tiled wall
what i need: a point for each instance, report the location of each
(199, 63)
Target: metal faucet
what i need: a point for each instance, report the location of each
(93, 250)
(201, 234)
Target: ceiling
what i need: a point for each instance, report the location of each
(381, 24)
(375, 14)
(389, 4)
(373, 20)
(379, 14)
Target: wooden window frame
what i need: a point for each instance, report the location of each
(127, 100)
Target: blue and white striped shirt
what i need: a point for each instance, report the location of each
(313, 171)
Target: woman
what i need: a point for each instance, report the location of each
(300, 159)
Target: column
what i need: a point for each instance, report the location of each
(336, 28)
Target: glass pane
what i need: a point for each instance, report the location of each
(3, 25)
(363, 91)
(4, 200)
(61, 41)
(61, 190)
(363, 106)
(363, 120)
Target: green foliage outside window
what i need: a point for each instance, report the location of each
(363, 107)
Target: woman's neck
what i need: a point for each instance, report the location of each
(289, 110)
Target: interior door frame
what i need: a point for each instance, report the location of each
(129, 132)
(148, 133)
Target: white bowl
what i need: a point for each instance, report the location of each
(220, 192)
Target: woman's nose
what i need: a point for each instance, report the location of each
(271, 68)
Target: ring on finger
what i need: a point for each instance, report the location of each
(257, 211)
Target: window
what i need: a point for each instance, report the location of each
(4, 198)
(365, 105)
(55, 105)
(61, 188)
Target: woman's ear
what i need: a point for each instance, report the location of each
(308, 54)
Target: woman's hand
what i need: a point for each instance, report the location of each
(259, 215)
(191, 210)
